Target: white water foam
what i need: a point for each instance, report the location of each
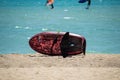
(20, 27)
(17, 27)
(44, 29)
(28, 38)
(27, 27)
(65, 10)
(68, 17)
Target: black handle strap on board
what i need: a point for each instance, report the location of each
(54, 42)
(64, 45)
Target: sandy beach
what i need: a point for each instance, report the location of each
(42, 67)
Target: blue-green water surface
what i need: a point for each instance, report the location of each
(21, 19)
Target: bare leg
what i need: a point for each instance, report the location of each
(89, 2)
(52, 6)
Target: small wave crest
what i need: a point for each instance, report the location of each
(17, 27)
(27, 27)
(65, 10)
(68, 17)
(28, 38)
(20, 27)
(44, 29)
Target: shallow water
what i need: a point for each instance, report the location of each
(20, 20)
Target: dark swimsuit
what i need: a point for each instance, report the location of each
(82, 1)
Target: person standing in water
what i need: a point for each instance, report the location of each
(83, 1)
(50, 3)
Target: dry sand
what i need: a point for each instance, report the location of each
(43, 67)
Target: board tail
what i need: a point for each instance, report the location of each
(84, 47)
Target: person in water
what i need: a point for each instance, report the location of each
(83, 1)
(50, 3)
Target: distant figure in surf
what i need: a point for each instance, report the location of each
(50, 3)
(83, 1)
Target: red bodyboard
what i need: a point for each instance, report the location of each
(50, 43)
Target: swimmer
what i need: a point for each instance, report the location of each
(50, 3)
(83, 1)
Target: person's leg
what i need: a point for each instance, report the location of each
(89, 2)
(52, 6)
(88, 5)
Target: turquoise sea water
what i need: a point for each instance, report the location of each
(21, 19)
